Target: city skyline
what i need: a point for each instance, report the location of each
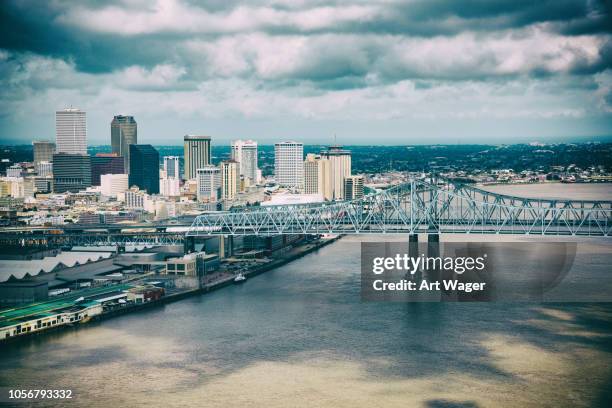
(402, 73)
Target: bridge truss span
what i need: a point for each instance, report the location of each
(418, 207)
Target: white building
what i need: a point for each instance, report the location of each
(230, 180)
(245, 153)
(169, 187)
(71, 131)
(171, 167)
(135, 198)
(113, 184)
(340, 168)
(209, 183)
(293, 199)
(14, 171)
(44, 168)
(289, 164)
(317, 176)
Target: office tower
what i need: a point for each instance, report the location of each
(353, 187)
(113, 184)
(71, 172)
(230, 179)
(44, 168)
(171, 166)
(144, 168)
(289, 164)
(14, 171)
(71, 131)
(245, 153)
(209, 183)
(124, 132)
(197, 154)
(169, 187)
(340, 168)
(43, 151)
(317, 176)
(105, 163)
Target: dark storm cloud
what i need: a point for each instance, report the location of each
(26, 26)
(330, 59)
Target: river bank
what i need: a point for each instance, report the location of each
(225, 280)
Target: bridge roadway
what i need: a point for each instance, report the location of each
(410, 208)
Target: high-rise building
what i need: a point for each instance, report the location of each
(340, 168)
(43, 151)
(171, 166)
(317, 176)
(245, 153)
(124, 132)
(71, 131)
(144, 168)
(71, 172)
(230, 179)
(197, 154)
(353, 187)
(105, 163)
(209, 183)
(44, 168)
(289, 164)
(113, 184)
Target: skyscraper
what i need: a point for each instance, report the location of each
(197, 154)
(340, 168)
(289, 164)
(171, 166)
(71, 131)
(43, 151)
(317, 176)
(105, 163)
(144, 168)
(353, 187)
(209, 183)
(230, 179)
(245, 153)
(124, 132)
(71, 172)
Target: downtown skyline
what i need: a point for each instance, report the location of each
(395, 72)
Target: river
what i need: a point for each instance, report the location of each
(300, 336)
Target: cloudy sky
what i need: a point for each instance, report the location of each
(394, 72)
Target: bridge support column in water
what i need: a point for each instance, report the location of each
(433, 250)
(413, 251)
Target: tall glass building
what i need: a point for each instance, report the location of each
(197, 154)
(105, 163)
(144, 168)
(71, 172)
(124, 132)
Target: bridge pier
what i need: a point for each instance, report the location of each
(433, 250)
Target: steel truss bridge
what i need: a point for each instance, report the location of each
(410, 208)
(418, 207)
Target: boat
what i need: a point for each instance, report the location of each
(240, 278)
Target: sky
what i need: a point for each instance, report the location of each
(350, 71)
